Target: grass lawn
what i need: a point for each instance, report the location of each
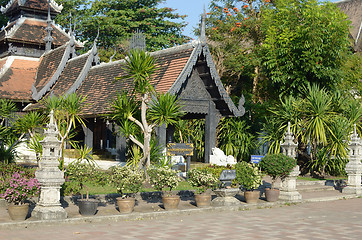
(317, 179)
(107, 189)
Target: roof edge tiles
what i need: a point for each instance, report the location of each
(55, 6)
(38, 95)
(92, 58)
(13, 29)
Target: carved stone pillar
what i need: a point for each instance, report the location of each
(354, 166)
(50, 177)
(289, 185)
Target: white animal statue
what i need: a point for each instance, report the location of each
(219, 158)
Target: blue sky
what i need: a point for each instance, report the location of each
(192, 8)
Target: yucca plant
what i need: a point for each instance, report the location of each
(235, 139)
(67, 112)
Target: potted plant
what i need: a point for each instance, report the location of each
(277, 166)
(128, 182)
(78, 174)
(19, 188)
(165, 177)
(203, 180)
(249, 177)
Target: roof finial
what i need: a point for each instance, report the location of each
(203, 27)
(48, 39)
(70, 24)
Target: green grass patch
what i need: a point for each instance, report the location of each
(318, 179)
(108, 189)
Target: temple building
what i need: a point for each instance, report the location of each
(39, 60)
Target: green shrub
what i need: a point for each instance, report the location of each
(202, 179)
(277, 166)
(248, 175)
(163, 177)
(216, 170)
(77, 174)
(126, 179)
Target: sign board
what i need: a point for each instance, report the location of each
(256, 158)
(184, 149)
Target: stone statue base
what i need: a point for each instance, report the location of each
(290, 196)
(352, 190)
(49, 213)
(225, 197)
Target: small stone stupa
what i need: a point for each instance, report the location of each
(289, 185)
(354, 166)
(50, 177)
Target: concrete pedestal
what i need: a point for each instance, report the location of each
(288, 190)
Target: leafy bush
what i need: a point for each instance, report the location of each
(163, 177)
(202, 179)
(277, 166)
(78, 174)
(126, 179)
(248, 175)
(216, 170)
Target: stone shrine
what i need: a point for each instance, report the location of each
(50, 177)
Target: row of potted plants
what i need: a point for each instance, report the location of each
(128, 181)
(249, 175)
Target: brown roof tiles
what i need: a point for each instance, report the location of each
(69, 75)
(48, 65)
(100, 86)
(16, 81)
(33, 31)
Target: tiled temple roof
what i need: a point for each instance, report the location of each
(100, 86)
(69, 75)
(49, 63)
(38, 5)
(31, 30)
(16, 77)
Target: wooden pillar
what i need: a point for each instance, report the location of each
(211, 121)
(121, 146)
(88, 134)
(161, 136)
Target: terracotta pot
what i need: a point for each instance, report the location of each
(18, 212)
(126, 205)
(171, 202)
(87, 207)
(203, 200)
(252, 196)
(272, 195)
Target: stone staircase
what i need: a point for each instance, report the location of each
(323, 190)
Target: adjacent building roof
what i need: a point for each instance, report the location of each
(17, 75)
(353, 9)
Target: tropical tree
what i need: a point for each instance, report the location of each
(118, 20)
(67, 112)
(235, 35)
(305, 42)
(143, 107)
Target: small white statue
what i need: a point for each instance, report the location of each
(219, 158)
